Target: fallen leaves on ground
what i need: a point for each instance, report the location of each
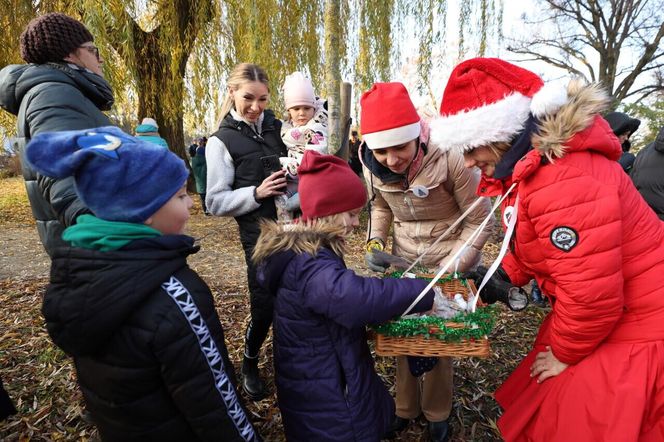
(14, 206)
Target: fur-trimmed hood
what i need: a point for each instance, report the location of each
(306, 237)
(573, 127)
(576, 125)
(278, 244)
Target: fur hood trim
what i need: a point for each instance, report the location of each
(584, 102)
(304, 237)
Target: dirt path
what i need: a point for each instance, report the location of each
(21, 254)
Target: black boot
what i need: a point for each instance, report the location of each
(203, 205)
(398, 425)
(6, 406)
(439, 431)
(251, 381)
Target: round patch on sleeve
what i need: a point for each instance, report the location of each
(564, 238)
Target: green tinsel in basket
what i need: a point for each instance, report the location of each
(447, 278)
(477, 325)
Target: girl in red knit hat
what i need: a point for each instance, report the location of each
(327, 387)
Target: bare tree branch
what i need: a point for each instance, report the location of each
(579, 28)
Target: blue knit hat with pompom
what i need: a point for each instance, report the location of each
(117, 176)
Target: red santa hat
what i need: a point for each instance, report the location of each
(328, 186)
(488, 100)
(388, 117)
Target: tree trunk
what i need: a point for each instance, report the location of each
(344, 124)
(332, 75)
(152, 79)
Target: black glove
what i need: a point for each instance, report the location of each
(498, 288)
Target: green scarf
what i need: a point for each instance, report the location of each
(93, 233)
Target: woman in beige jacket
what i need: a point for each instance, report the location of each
(420, 191)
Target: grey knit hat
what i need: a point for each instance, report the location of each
(51, 37)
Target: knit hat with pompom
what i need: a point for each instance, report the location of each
(119, 177)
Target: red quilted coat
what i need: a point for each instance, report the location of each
(597, 249)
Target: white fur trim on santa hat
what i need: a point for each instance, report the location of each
(551, 97)
(495, 122)
(392, 137)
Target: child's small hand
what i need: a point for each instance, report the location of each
(293, 203)
(546, 365)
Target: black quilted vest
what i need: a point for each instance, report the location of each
(246, 147)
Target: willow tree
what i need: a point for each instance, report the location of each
(146, 47)
(389, 29)
(154, 44)
(288, 35)
(280, 35)
(11, 24)
(169, 58)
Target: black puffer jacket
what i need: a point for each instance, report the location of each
(147, 343)
(622, 124)
(46, 98)
(648, 174)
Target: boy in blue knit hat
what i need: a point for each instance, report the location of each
(141, 325)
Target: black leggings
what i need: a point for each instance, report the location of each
(262, 301)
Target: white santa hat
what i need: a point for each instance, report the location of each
(388, 116)
(298, 91)
(488, 100)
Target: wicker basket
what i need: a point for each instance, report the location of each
(424, 346)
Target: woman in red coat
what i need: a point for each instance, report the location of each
(596, 372)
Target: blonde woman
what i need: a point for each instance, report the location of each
(241, 184)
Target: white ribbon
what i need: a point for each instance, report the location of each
(445, 233)
(503, 250)
(470, 239)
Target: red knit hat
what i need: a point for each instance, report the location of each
(488, 100)
(328, 186)
(388, 117)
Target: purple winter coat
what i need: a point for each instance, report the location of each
(327, 387)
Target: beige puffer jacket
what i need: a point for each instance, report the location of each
(420, 220)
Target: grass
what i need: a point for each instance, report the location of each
(14, 205)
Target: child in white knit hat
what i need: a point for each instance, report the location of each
(304, 129)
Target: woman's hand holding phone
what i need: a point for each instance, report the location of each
(273, 185)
